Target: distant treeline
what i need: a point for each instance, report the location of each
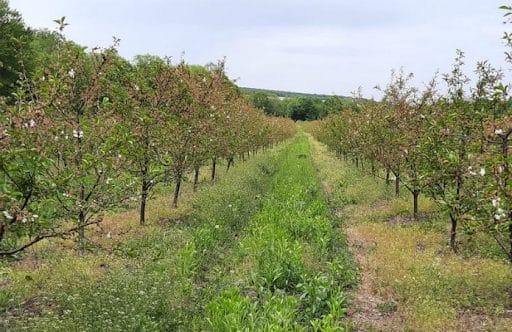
(298, 106)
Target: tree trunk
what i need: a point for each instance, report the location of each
(415, 194)
(510, 240)
(214, 166)
(388, 171)
(373, 168)
(143, 199)
(453, 233)
(397, 184)
(357, 162)
(2, 231)
(196, 178)
(81, 232)
(176, 192)
(230, 163)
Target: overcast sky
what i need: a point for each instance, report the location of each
(321, 46)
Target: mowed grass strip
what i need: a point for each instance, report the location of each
(292, 267)
(410, 279)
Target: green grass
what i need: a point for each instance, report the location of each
(414, 279)
(260, 250)
(291, 275)
(152, 278)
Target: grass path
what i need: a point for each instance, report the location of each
(259, 251)
(410, 281)
(291, 269)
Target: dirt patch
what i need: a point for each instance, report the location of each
(367, 309)
(407, 220)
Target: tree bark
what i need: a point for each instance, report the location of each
(176, 192)
(214, 166)
(453, 233)
(415, 195)
(196, 178)
(81, 232)
(143, 199)
(397, 184)
(510, 239)
(388, 179)
(230, 163)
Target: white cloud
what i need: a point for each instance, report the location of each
(313, 46)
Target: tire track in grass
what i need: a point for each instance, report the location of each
(291, 265)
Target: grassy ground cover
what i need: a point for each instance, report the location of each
(291, 264)
(142, 278)
(410, 281)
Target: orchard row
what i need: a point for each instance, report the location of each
(453, 147)
(88, 131)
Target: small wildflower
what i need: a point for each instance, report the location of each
(7, 215)
(71, 73)
(498, 132)
(496, 202)
(78, 133)
(482, 171)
